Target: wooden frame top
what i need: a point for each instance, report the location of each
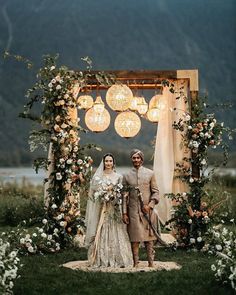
(150, 78)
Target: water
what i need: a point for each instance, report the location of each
(20, 174)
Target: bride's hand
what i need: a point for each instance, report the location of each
(125, 218)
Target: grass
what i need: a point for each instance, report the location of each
(44, 275)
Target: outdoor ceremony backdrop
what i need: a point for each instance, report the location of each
(115, 35)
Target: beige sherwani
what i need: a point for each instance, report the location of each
(138, 227)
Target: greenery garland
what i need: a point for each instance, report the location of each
(192, 215)
(56, 91)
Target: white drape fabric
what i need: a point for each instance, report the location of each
(168, 148)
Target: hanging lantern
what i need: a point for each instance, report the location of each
(127, 124)
(142, 106)
(157, 101)
(97, 122)
(118, 97)
(85, 101)
(98, 105)
(153, 115)
(133, 104)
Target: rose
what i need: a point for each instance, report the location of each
(44, 221)
(199, 239)
(58, 87)
(58, 176)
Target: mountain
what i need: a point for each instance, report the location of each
(118, 34)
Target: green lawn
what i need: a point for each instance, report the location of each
(44, 275)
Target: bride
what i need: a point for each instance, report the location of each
(106, 234)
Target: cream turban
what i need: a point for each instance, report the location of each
(138, 152)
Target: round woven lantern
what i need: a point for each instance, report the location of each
(85, 101)
(157, 101)
(97, 122)
(118, 97)
(133, 104)
(127, 124)
(153, 115)
(142, 106)
(98, 105)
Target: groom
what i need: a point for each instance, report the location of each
(133, 210)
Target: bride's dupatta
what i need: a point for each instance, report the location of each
(93, 208)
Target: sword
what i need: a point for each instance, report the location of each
(159, 239)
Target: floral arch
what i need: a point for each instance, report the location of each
(69, 168)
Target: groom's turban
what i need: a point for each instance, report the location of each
(137, 152)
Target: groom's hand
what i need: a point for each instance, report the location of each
(146, 209)
(125, 218)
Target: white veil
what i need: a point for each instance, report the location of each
(93, 207)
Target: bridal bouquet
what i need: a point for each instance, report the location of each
(108, 192)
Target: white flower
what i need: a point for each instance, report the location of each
(190, 127)
(34, 235)
(62, 223)
(44, 221)
(218, 247)
(13, 254)
(216, 234)
(69, 161)
(61, 160)
(53, 81)
(190, 221)
(56, 230)
(50, 85)
(195, 144)
(201, 134)
(54, 206)
(212, 124)
(43, 235)
(213, 267)
(199, 239)
(58, 176)
(58, 87)
(76, 149)
(31, 249)
(187, 118)
(203, 161)
(52, 68)
(22, 240)
(191, 180)
(40, 230)
(192, 240)
(49, 237)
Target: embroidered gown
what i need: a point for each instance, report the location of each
(110, 247)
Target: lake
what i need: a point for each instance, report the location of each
(22, 174)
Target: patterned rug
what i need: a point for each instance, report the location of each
(142, 267)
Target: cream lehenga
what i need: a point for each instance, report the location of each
(106, 235)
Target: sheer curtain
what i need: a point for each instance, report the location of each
(168, 149)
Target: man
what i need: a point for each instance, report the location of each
(134, 206)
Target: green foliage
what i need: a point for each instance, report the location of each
(20, 203)
(192, 215)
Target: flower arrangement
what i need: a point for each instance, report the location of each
(9, 265)
(107, 191)
(56, 90)
(222, 243)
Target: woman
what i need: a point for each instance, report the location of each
(106, 234)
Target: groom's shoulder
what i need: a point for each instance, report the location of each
(147, 170)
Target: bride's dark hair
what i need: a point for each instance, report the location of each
(110, 155)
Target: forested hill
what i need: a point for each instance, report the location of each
(118, 34)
